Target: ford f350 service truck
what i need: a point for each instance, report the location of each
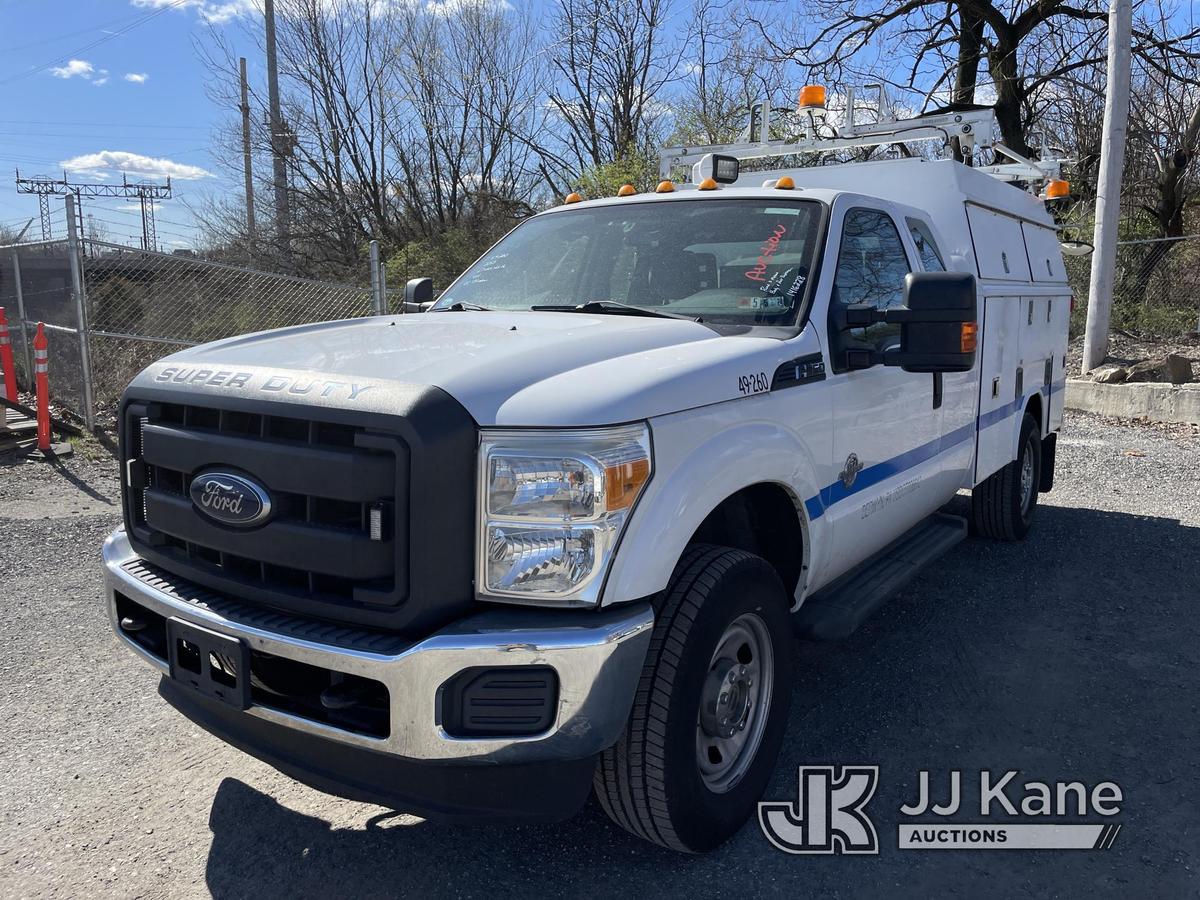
(555, 533)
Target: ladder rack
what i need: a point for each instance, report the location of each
(972, 127)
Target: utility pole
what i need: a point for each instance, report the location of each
(279, 136)
(245, 108)
(1108, 188)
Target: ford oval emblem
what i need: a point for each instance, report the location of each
(230, 499)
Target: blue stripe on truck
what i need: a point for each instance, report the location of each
(872, 475)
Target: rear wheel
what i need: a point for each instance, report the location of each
(711, 706)
(1002, 506)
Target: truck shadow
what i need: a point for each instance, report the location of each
(1056, 657)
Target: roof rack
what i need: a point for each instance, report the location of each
(973, 127)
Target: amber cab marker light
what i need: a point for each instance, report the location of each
(708, 184)
(784, 183)
(572, 198)
(1058, 189)
(665, 187)
(969, 337)
(812, 96)
(626, 190)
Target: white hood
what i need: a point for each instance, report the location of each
(511, 368)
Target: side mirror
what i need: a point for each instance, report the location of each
(939, 328)
(418, 290)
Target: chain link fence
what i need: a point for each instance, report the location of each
(37, 285)
(144, 305)
(136, 306)
(1156, 289)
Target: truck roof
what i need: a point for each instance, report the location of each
(938, 189)
(930, 185)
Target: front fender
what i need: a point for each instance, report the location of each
(701, 457)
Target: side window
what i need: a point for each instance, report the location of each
(931, 256)
(871, 268)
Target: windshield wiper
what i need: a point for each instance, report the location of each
(614, 307)
(460, 306)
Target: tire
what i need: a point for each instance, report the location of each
(1000, 507)
(651, 781)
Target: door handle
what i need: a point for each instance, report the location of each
(937, 390)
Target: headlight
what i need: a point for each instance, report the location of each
(552, 508)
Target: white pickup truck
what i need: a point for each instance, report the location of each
(555, 534)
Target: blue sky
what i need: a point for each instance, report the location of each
(79, 85)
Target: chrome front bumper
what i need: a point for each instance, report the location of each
(598, 657)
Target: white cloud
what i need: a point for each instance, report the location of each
(136, 77)
(220, 13)
(452, 7)
(76, 67)
(106, 162)
(100, 82)
(217, 12)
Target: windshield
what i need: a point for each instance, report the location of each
(724, 261)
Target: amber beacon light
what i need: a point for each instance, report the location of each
(812, 96)
(1058, 189)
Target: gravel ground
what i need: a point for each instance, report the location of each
(1072, 656)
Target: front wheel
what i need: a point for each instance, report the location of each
(1002, 505)
(711, 706)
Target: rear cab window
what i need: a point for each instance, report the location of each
(927, 248)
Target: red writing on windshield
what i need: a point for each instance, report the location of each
(765, 253)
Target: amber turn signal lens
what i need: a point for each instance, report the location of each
(665, 187)
(626, 190)
(1058, 189)
(969, 337)
(623, 482)
(785, 183)
(708, 184)
(572, 198)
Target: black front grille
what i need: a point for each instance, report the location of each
(324, 479)
(371, 517)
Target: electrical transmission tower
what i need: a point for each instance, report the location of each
(146, 192)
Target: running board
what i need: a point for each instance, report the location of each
(835, 611)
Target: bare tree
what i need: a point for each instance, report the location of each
(403, 120)
(724, 74)
(1164, 135)
(614, 63)
(945, 43)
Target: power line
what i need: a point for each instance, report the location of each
(62, 37)
(96, 43)
(92, 124)
(145, 192)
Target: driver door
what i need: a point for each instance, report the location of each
(886, 422)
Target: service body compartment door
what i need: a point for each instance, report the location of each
(1060, 323)
(1043, 346)
(999, 245)
(999, 391)
(1045, 255)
